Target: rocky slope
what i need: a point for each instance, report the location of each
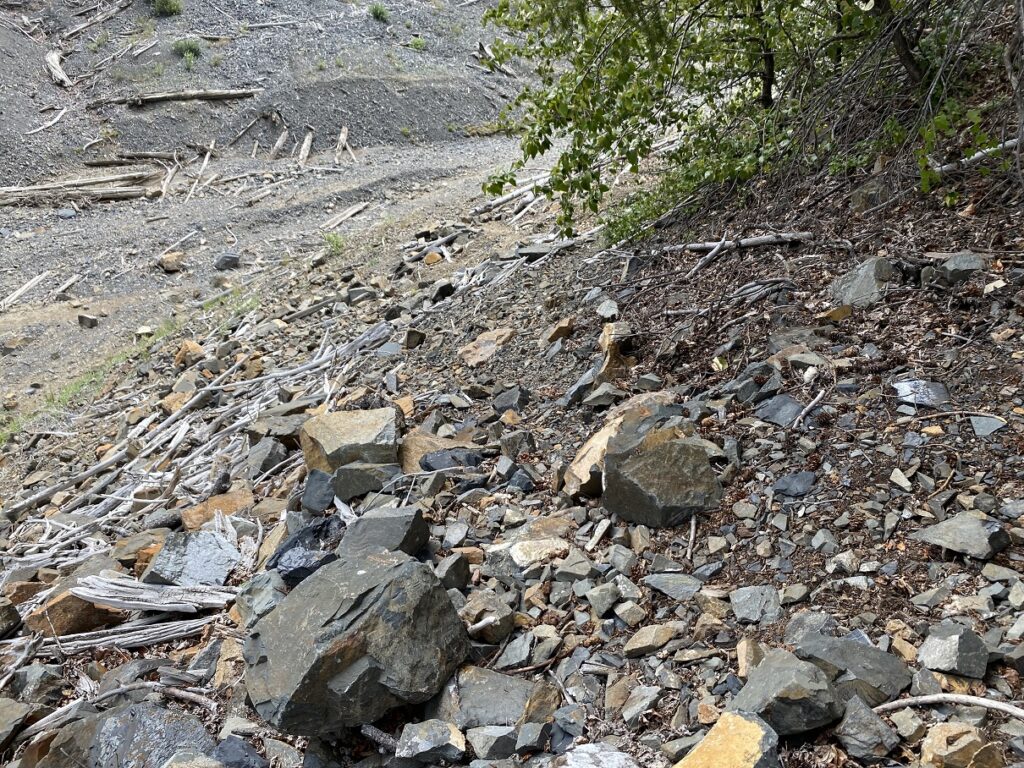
(449, 512)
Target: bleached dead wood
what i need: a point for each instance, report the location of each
(116, 590)
(278, 145)
(307, 146)
(952, 698)
(99, 18)
(48, 124)
(141, 99)
(57, 73)
(202, 169)
(11, 298)
(345, 215)
(781, 238)
(977, 157)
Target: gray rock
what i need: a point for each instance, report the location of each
(258, 596)
(930, 394)
(431, 740)
(795, 484)
(453, 571)
(603, 598)
(863, 734)
(486, 604)
(477, 697)
(865, 284)
(984, 426)
(190, 759)
(791, 695)
(364, 634)
(39, 683)
(318, 493)
(227, 260)
(264, 456)
(235, 752)
(959, 267)
(856, 669)
(638, 488)
(360, 478)
(640, 700)
(781, 410)
(532, 738)
(192, 558)
(969, 533)
(597, 755)
(516, 653)
(134, 736)
(678, 586)
(754, 605)
(13, 717)
(10, 619)
(396, 530)
(492, 742)
(952, 647)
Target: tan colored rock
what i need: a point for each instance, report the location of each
(171, 262)
(66, 614)
(561, 330)
(484, 347)
(648, 639)
(189, 353)
(174, 402)
(332, 440)
(584, 474)
(952, 745)
(20, 591)
(270, 543)
(737, 740)
(228, 504)
(749, 654)
(418, 443)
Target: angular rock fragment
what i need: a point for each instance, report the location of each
(952, 647)
(791, 695)
(132, 736)
(396, 530)
(930, 394)
(754, 605)
(854, 668)
(334, 439)
(191, 559)
(485, 346)
(970, 533)
(431, 740)
(863, 734)
(660, 486)
(362, 635)
(599, 755)
(492, 742)
(737, 740)
(865, 284)
(477, 697)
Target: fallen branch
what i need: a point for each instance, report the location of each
(781, 238)
(345, 215)
(141, 99)
(13, 297)
(97, 19)
(57, 73)
(952, 698)
(51, 123)
(974, 159)
(119, 591)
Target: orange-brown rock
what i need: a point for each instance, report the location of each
(228, 504)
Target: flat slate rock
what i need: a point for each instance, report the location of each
(191, 559)
(781, 410)
(477, 697)
(969, 533)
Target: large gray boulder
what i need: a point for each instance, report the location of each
(970, 533)
(659, 485)
(134, 736)
(865, 284)
(791, 695)
(364, 634)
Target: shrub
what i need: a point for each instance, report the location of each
(379, 13)
(167, 7)
(418, 44)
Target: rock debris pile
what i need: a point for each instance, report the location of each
(422, 519)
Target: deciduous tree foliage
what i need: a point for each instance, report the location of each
(740, 82)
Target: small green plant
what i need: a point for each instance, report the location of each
(167, 7)
(379, 13)
(187, 46)
(407, 132)
(418, 44)
(216, 61)
(321, 65)
(339, 62)
(98, 42)
(335, 243)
